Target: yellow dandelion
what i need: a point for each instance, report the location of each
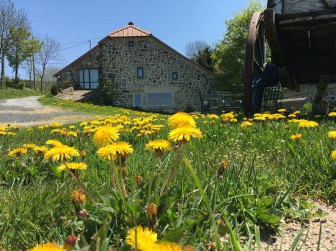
(152, 210)
(54, 142)
(17, 152)
(142, 238)
(61, 153)
(332, 134)
(72, 134)
(246, 124)
(113, 150)
(333, 154)
(291, 116)
(332, 114)
(296, 136)
(168, 246)
(159, 144)
(307, 123)
(72, 166)
(282, 110)
(29, 145)
(47, 247)
(40, 149)
(78, 196)
(105, 135)
(185, 133)
(233, 120)
(212, 116)
(181, 119)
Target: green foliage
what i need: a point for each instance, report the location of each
(54, 90)
(229, 53)
(109, 91)
(17, 93)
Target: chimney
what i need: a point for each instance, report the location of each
(130, 23)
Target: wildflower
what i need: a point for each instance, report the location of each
(212, 116)
(246, 124)
(158, 146)
(292, 116)
(144, 239)
(184, 134)
(73, 134)
(40, 149)
(332, 114)
(61, 153)
(47, 247)
(53, 142)
(168, 246)
(105, 135)
(333, 154)
(282, 110)
(296, 136)
(78, 196)
(332, 134)
(113, 150)
(17, 152)
(181, 119)
(28, 146)
(151, 210)
(138, 179)
(307, 123)
(223, 165)
(70, 242)
(72, 166)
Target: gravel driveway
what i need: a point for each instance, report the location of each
(29, 112)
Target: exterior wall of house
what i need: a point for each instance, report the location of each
(119, 63)
(89, 60)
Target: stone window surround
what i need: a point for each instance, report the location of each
(137, 93)
(141, 68)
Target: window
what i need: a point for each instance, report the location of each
(137, 100)
(88, 78)
(140, 72)
(130, 43)
(160, 99)
(174, 75)
(68, 75)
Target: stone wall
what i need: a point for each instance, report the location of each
(119, 63)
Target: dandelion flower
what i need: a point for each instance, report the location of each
(40, 149)
(168, 246)
(54, 142)
(47, 247)
(72, 166)
(113, 150)
(282, 110)
(61, 153)
(185, 133)
(105, 135)
(144, 239)
(29, 145)
(246, 124)
(307, 123)
(332, 134)
(151, 210)
(296, 136)
(17, 152)
(332, 114)
(78, 196)
(181, 119)
(159, 145)
(333, 154)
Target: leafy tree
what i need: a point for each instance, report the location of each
(229, 53)
(9, 17)
(22, 47)
(200, 52)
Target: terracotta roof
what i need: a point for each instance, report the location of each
(130, 31)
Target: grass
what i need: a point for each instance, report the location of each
(15, 93)
(234, 183)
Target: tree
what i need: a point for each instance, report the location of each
(9, 18)
(50, 51)
(229, 53)
(22, 47)
(200, 52)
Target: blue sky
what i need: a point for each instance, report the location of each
(175, 22)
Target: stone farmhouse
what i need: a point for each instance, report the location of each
(145, 72)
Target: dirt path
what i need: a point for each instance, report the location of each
(29, 112)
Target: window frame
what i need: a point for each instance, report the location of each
(142, 72)
(160, 105)
(83, 75)
(130, 43)
(174, 75)
(141, 95)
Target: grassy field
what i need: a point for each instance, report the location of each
(16, 93)
(211, 183)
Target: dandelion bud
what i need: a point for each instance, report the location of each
(152, 210)
(223, 165)
(83, 154)
(138, 180)
(83, 213)
(70, 242)
(78, 196)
